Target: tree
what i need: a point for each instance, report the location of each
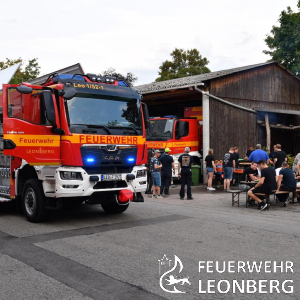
(184, 63)
(31, 70)
(130, 78)
(284, 40)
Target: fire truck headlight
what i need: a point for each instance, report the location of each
(141, 173)
(66, 175)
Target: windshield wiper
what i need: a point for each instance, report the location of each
(125, 127)
(96, 126)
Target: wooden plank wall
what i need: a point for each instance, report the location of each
(266, 87)
(230, 127)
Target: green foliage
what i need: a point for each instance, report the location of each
(290, 160)
(130, 78)
(284, 40)
(183, 64)
(31, 70)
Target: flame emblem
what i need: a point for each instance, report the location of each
(168, 279)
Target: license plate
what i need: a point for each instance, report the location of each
(110, 177)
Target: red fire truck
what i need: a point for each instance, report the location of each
(76, 138)
(176, 134)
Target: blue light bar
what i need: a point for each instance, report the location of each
(64, 77)
(122, 83)
(130, 159)
(90, 160)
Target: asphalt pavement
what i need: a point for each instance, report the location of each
(84, 253)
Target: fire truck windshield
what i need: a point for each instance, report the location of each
(93, 111)
(160, 130)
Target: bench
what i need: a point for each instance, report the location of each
(280, 193)
(235, 196)
(267, 196)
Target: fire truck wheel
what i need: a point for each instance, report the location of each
(34, 201)
(114, 208)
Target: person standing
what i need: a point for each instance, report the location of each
(286, 182)
(149, 177)
(236, 159)
(272, 155)
(259, 154)
(249, 151)
(155, 173)
(185, 162)
(236, 156)
(279, 157)
(228, 167)
(166, 171)
(296, 164)
(210, 169)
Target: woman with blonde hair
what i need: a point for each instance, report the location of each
(210, 168)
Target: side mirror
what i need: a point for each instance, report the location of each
(146, 116)
(70, 93)
(50, 110)
(23, 89)
(130, 177)
(183, 129)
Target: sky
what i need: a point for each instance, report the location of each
(136, 36)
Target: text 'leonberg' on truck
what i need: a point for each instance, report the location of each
(76, 138)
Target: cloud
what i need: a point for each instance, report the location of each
(135, 36)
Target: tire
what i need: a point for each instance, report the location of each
(114, 208)
(34, 201)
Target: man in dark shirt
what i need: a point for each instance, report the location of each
(279, 157)
(266, 184)
(286, 182)
(185, 162)
(272, 154)
(249, 151)
(228, 167)
(236, 159)
(166, 171)
(249, 174)
(149, 177)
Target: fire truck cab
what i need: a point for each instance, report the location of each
(176, 134)
(76, 138)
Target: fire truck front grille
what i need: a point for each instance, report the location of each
(109, 185)
(107, 170)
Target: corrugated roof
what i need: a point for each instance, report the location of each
(191, 80)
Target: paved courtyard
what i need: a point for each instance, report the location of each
(84, 253)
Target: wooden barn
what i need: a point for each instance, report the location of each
(239, 106)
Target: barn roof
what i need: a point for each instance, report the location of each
(192, 80)
(74, 69)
